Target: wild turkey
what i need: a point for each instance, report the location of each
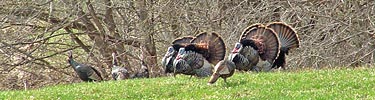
(169, 57)
(84, 72)
(143, 73)
(118, 72)
(194, 64)
(245, 57)
(257, 44)
(223, 69)
(288, 40)
(196, 58)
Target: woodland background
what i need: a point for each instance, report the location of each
(35, 35)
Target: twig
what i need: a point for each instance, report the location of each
(371, 52)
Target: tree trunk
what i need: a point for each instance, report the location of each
(147, 24)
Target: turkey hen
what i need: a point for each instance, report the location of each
(170, 56)
(256, 50)
(223, 69)
(118, 72)
(288, 40)
(84, 72)
(196, 58)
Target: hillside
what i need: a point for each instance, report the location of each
(310, 84)
(36, 35)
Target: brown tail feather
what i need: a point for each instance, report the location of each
(216, 46)
(97, 76)
(245, 34)
(201, 45)
(183, 40)
(287, 36)
(266, 38)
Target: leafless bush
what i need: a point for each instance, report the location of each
(35, 35)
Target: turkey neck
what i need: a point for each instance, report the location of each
(114, 60)
(73, 63)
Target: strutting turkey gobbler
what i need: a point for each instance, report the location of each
(223, 69)
(288, 40)
(118, 72)
(170, 56)
(196, 58)
(84, 72)
(256, 50)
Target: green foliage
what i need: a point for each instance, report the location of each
(323, 84)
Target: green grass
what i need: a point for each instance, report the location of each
(312, 84)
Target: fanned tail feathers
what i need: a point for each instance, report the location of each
(288, 39)
(213, 44)
(265, 39)
(287, 36)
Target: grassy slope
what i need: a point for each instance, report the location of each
(324, 84)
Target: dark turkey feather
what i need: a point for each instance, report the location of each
(265, 39)
(211, 46)
(223, 69)
(280, 61)
(187, 62)
(205, 70)
(249, 42)
(95, 76)
(288, 40)
(84, 72)
(241, 61)
(182, 67)
(246, 59)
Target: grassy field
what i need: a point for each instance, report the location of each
(313, 84)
